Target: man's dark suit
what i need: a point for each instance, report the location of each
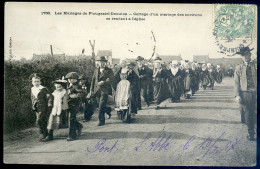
(102, 91)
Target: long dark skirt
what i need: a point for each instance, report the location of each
(133, 104)
(161, 91)
(175, 88)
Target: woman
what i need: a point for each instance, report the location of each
(175, 82)
(204, 76)
(128, 74)
(161, 90)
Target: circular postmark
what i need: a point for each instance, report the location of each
(234, 27)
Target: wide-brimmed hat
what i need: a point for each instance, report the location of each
(101, 58)
(139, 58)
(244, 50)
(72, 75)
(157, 59)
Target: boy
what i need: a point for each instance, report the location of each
(74, 94)
(41, 104)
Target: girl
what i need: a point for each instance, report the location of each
(41, 104)
(60, 105)
(123, 75)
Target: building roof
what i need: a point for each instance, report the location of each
(200, 58)
(104, 53)
(169, 58)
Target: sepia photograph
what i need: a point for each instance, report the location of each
(130, 84)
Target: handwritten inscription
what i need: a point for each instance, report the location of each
(159, 144)
(209, 147)
(100, 147)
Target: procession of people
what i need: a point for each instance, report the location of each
(144, 81)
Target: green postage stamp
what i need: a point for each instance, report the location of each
(234, 21)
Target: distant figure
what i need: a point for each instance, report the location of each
(219, 74)
(204, 76)
(230, 72)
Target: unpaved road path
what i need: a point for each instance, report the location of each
(202, 131)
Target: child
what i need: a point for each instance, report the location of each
(60, 105)
(88, 107)
(122, 97)
(74, 93)
(41, 104)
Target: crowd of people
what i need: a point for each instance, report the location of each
(124, 88)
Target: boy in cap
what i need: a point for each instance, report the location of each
(74, 93)
(245, 77)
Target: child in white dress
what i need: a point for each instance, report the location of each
(60, 104)
(122, 97)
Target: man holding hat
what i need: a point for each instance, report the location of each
(245, 77)
(100, 88)
(145, 75)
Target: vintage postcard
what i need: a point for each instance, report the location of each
(130, 84)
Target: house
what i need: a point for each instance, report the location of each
(169, 58)
(201, 58)
(107, 54)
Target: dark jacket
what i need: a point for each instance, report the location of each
(43, 101)
(75, 93)
(240, 77)
(107, 76)
(145, 75)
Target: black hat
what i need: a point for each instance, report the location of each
(244, 50)
(72, 75)
(157, 58)
(82, 77)
(34, 75)
(101, 58)
(139, 58)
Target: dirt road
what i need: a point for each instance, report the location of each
(202, 131)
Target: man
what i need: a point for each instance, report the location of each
(101, 87)
(245, 77)
(145, 75)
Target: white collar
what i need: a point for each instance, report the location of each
(36, 90)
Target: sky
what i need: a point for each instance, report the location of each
(33, 33)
